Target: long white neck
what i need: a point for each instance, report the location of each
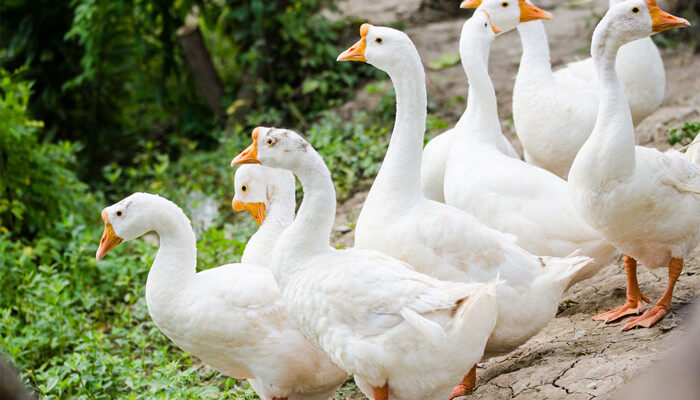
(310, 232)
(535, 62)
(400, 171)
(279, 215)
(176, 261)
(482, 108)
(611, 148)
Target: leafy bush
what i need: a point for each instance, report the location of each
(112, 76)
(37, 184)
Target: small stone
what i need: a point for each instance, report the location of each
(593, 385)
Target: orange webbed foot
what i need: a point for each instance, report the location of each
(466, 386)
(647, 319)
(459, 390)
(631, 307)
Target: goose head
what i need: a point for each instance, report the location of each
(276, 148)
(383, 47)
(132, 217)
(507, 14)
(477, 31)
(256, 186)
(631, 20)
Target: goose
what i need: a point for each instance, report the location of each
(268, 195)
(402, 334)
(437, 239)
(232, 317)
(641, 71)
(552, 117)
(643, 201)
(434, 159)
(503, 192)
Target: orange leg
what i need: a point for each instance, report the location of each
(466, 386)
(381, 393)
(634, 304)
(652, 316)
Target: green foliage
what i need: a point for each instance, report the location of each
(111, 75)
(684, 134)
(284, 52)
(37, 183)
(352, 150)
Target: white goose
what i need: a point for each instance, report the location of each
(641, 71)
(504, 192)
(268, 195)
(438, 239)
(434, 159)
(643, 201)
(402, 334)
(553, 117)
(231, 317)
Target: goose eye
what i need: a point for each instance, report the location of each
(486, 25)
(504, 4)
(119, 213)
(244, 188)
(270, 142)
(635, 10)
(378, 40)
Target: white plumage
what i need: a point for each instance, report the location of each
(376, 317)
(232, 317)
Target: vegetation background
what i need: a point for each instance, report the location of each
(102, 98)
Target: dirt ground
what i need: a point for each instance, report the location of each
(574, 357)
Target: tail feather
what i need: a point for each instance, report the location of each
(692, 153)
(430, 329)
(563, 269)
(483, 292)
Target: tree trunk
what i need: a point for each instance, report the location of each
(207, 81)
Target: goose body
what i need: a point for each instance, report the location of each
(232, 316)
(503, 192)
(643, 201)
(402, 334)
(440, 240)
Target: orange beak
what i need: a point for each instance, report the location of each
(250, 154)
(257, 210)
(661, 20)
(528, 12)
(495, 30)
(357, 51)
(470, 4)
(109, 239)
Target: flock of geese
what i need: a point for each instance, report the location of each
(462, 249)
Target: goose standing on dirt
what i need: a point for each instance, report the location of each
(402, 334)
(553, 117)
(231, 317)
(504, 192)
(437, 239)
(643, 201)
